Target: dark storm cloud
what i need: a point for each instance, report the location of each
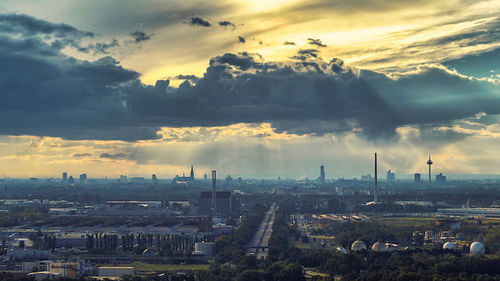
(316, 42)
(27, 25)
(241, 39)
(227, 23)
(187, 77)
(198, 21)
(434, 137)
(100, 47)
(78, 155)
(140, 36)
(243, 61)
(304, 53)
(114, 156)
(34, 30)
(58, 36)
(47, 93)
(289, 43)
(316, 97)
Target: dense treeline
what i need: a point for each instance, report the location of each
(165, 245)
(43, 242)
(251, 269)
(233, 264)
(417, 264)
(230, 248)
(412, 265)
(280, 247)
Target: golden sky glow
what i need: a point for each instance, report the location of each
(390, 37)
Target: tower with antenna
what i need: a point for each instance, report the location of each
(375, 187)
(429, 163)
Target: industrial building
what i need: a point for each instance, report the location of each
(226, 205)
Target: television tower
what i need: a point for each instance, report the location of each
(429, 163)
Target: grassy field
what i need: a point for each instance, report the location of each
(314, 271)
(405, 221)
(165, 267)
(300, 245)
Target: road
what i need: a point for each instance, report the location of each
(258, 245)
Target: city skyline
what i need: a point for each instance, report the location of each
(320, 178)
(252, 88)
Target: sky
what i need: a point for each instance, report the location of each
(257, 88)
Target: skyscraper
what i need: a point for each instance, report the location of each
(154, 179)
(65, 177)
(83, 178)
(192, 173)
(417, 177)
(322, 174)
(214, 189)
(390, 176)
(440, 179)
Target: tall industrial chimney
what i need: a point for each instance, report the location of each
(214, 191)
(375, 190)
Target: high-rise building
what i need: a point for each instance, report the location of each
(71, 180)
(192, 173)
(390, 176)
(83, 178)
(417, 178)
(64, 177)
(322, 174)
(214, 197)
(154, 179)
(123, 178)
(440, 179)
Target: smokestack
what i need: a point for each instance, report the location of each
(375, 191)
(214, 190)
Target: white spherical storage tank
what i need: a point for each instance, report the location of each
(358, 246)
(379, 247)
(449, 246)
(477, 249)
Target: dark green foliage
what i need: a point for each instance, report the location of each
(230, 248)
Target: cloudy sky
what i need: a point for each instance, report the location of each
(256, 88)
